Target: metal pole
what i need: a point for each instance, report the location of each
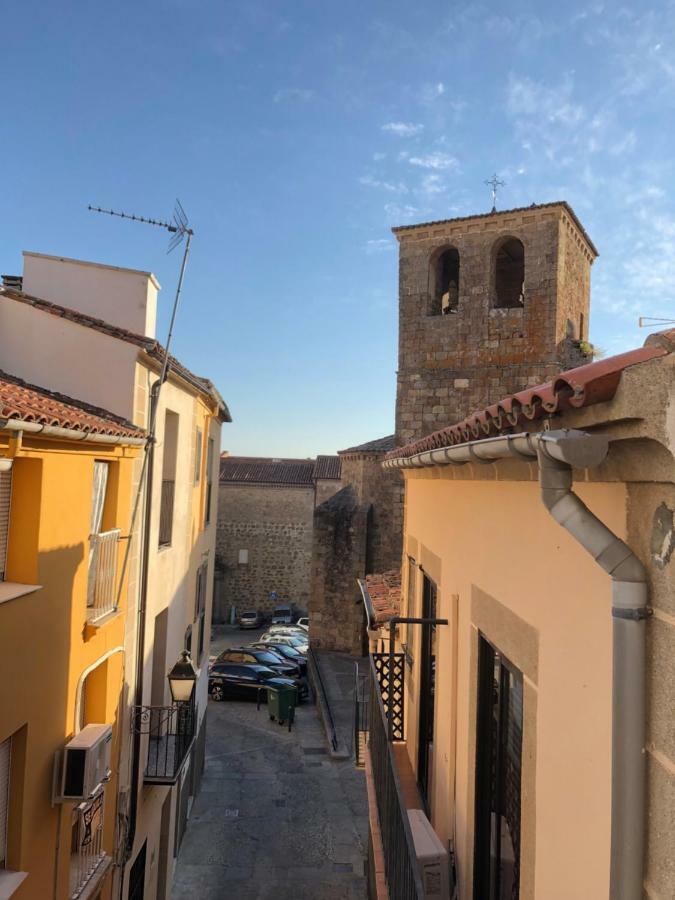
(393, 622)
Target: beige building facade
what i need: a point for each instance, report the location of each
(526, 697)
(93, 325)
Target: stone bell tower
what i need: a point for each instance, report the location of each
(488, 305)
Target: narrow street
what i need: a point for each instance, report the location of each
(276, 817)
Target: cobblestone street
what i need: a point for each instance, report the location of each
(276, 816)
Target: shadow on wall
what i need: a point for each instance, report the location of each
(339, 558)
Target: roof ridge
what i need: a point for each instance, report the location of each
(151, 345)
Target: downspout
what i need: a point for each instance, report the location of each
(630, 610)
(140, 629)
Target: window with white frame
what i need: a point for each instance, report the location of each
(5, 497)
(5, 762)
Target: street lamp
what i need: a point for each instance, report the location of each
(182, 678)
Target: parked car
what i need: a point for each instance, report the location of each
(253, 656)
(290, 630)
(282, 615)
(243, 682)
(250, 618)
(288, 652)
(303, 622)
(297, 642)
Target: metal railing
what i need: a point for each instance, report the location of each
(87, 857)
(171, 731)
(404, 879)
(361, 714)
(317, 682)
(166, 512)
(101, 590)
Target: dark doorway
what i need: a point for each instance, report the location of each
(427, 691)
(137, 875)
(499, 738)
(510, 275)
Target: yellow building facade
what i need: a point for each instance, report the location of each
(65, 492)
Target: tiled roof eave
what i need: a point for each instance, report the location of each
(577, 388)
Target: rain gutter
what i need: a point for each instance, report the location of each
(557, 453)
(70, 434)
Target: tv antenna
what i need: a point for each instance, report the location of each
(178, 228)
(652, 322)
(494, 184)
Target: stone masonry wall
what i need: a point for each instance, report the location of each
(275, 525)
(336, 615)
(451, 365)
(382, 489)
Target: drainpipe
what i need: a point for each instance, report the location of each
(630, 610)
(140, 629)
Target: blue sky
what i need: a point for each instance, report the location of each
(296, 134)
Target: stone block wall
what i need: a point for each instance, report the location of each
(451, 365)
(336, 614)
(274, 523)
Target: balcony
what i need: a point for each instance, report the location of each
(394, 793)
(102, 587)
(171, 732)
(88, 861)
(166, 513)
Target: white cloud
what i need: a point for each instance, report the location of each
(429, 93)
(436, 161)
(433, 184)
(404, 211)
(293, 95)
(378, 157)
(403, 129)
(531, 99)
(397, 188)
(379, 245)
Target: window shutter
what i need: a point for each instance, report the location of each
(5, 494)
(5, 757)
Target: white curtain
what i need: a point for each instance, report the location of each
(97, 504)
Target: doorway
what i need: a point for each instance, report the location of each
(499, 738)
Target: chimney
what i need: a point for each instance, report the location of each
(15, 282)
(126, 298)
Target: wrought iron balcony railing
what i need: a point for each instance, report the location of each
(171, 732)
(102, 587)
(88, 860)
(402, 871)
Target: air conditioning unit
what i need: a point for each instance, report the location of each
(431, 856)
(84, 764)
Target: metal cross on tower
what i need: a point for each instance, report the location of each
(495, 183)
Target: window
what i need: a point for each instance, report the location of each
(427, 685)
(243, 557)
(198, 456)
(499, 737)
(5, 497)
(445, 271)
(200, 607)
(103, 549)
(5, 761)
(509, 274)
(169, 459)
(209, 481)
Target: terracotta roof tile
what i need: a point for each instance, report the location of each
(380, 445)
(383, 593)
(328, 467)
(262, 470)
(151, 346)
(594, 383)
(29, 403)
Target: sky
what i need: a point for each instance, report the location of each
(296, 135)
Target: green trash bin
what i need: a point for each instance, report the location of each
(281, 703)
